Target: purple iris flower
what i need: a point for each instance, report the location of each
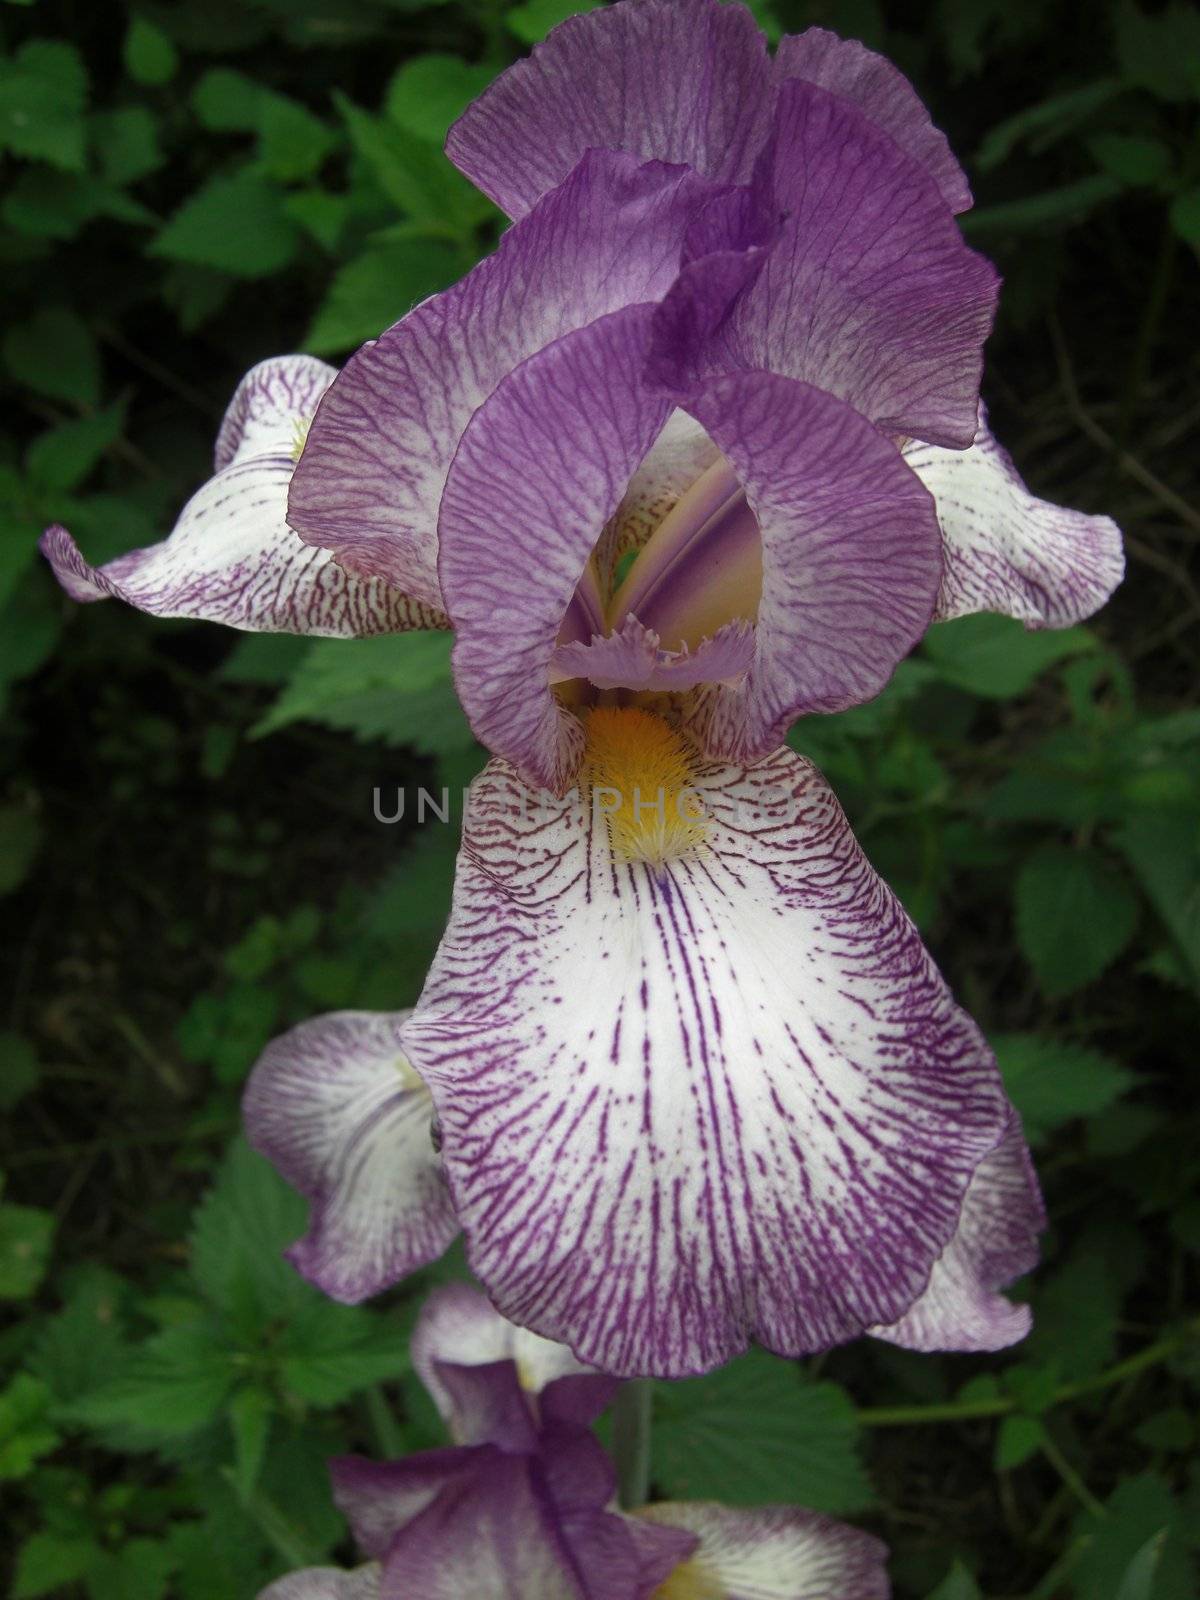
(699, 449)
(523, 1506)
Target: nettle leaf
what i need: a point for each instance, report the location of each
(533, 21)
(62, 458)
(1076, 1307)
(26, 1235)
(380, 286)
(330, 1352)
(1185, 217)
(1074, 916)
(250, 1413)
(998, 657)
(227, 101)
(1159, 52)
(958, 1584)
(139, 1570)
(150, 57)
(43, 94)
(83, 1348)
(177, 1385)
(26, 1431)
(413, 174)
(400, 664)
(758, 1431)
(432, 91)
(19, 1068)
(1046, 122)
(1017, 1439)
(239, 1234)
(236, 225)
(1142, 1512)
(292, 142)
(126, 144)
(54, 353)
(1133, 158)
(1051, 1081)
(48, 1562)
(1163, 848)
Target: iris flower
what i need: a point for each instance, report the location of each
(523, 1505)
(699, 449)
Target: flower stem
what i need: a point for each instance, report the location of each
(631, 1441)
(1001, 1405)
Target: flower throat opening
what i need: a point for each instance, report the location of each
(641, 770)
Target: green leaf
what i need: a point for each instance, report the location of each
(139, 1570)
(1142, 1513)
(47, 1562)
(250, 1413)
(63, 458)
(50, 205)
(1133, 158)
(331, 1352)
(378, 287)
(1160, 52)
(401, 664)
(19, 1068)
(177, 1385)
(1163, 848)
(83, 1347)
(1138, 1582)
(239, 1233)
(1172, 1430)
(1054, 208)
(995, 656)
(757, 1431)
(1074, 916)
(432, 91)
(25, 1430)
(1017, 1439)
(1046, 122)
(533, 21)
(227, 101)
(1051, 1081)
(54, 353)
(43, 94)
(413, 174)
(150, 57)
(236, 225)
(958, 1584)
(26, 1234)
(292, 142)
(126, 144)
(1185, 217)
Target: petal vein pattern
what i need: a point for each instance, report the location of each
(730, 1098)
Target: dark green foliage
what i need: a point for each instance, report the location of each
(191, 861)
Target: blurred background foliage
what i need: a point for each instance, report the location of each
(190, 858)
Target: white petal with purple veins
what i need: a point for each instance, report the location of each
(684, 1106)
(1008, 551)
(343, 1116)
(326, 1583)
(776, 1553)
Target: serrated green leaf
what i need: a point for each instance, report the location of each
(1133, 158)
(413, 174)
(26, 1432)
(380, 286)
(177, 1384)
(1053, 208)
(239, 1234)
(250, 1413)
(1172, 1429)
(1052, 1082)
(50, 205)
(958, 1584)
(1017, 1438)
(43, 93)
(126, 143)
(48, 1562)
(533, 21)
(54, 353)
(1163, 848)
(227, 101)
(150, 57)
(62, 458)
(1159, 52)
(292, 142)
(431, 91)
(83, 1348)
(235, 225)
(26, 1235)
(139, 1570)
(1046, 122)
(1142, 1512)
(401, 664)
(1074, 916)
(757, 1431)
(996, 656)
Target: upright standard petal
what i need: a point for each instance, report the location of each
(848, 68)
(1006, 550)
(851, 558)
(776, 1553)
(995, 1244)
(371, 477)
(232, 557)
(682, 1106)
(335, 1105)
(666, 80)
(869, 292)
(548, 457)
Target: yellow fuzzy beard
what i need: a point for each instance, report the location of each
(639, 769)
(690, 1581)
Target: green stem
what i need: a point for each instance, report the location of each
(1071, 1478)
(966, 1410)
(388, 1434)
(631, 1441)
(278, 1531)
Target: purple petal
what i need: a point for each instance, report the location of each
(377, 1498)
(337, 1108)
(459, 1325)
(729, 1097)
(486, 1404)
(851, 557)
(869, 293)
(775, 1553)
(883, 92)
(631, 659)
(494, 1537)
(1008, 551)
(371, 477)
(231, 557)
(667, 80)
(325, 1583)
(548, 458)
(996, 1243)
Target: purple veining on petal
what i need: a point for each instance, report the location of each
(764, 1121)
(485, 1404)
(336, 1107)
(632, 658)
(1007, 551)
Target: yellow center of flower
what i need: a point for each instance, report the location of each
(690, 1581)
(300, 427)
(641, 772)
